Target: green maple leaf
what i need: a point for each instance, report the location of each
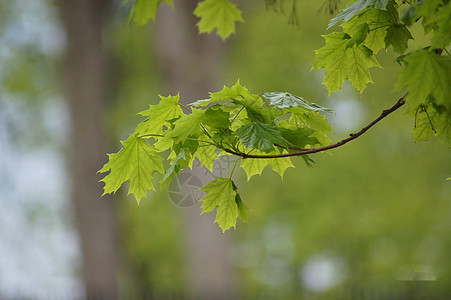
(144, 10)
(408, 15)
(432, 121)
(163, 143)
(286, 100)
(442, 33)
(256, 110)
(158, 115)
(356, 7)
(219, 14)
(216, 118)
(221, 193)
(443, 127)
(135, 163)
(301, 117)
(180, 162)
(299, 137)
(255, 166)
(426, 9)
(359, 36)
(436, 16)
(397, 35)
(206, 156)
(236, 91)
(426, 73)
(343, 63)
(424, 128)
(260, 136)
(376, 22)
(187, 125)
(243, 211)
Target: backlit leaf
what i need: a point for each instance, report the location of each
(217, 14)
(221, 194)
(432, 121)
(158, 115)
(135, 163)
(343, 63)
(377, 21)
(255, 166)
(145, 10)
(426, 73)
(236, 91)
(187, 125)
(206, 154)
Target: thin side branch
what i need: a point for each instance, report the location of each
(351, 137)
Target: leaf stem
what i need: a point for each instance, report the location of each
(185, 107)
(150, 135)
(281, 116)
(205, 130)
(237, 115)
(234, 166)
(200, 140)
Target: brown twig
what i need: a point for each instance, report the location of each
(351, 137)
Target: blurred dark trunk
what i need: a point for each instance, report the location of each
(191, 66)
(86, 88)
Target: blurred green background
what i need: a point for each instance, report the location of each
(370, 220)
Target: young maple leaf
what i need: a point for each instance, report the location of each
(426, 73)
(158, 115)
(221, 193)
(255, 166)
(219, 14)
(260, 136)
(145, 10)
(343, 63)
(135, 163)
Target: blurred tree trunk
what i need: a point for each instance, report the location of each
(191, 65)
(85, 75)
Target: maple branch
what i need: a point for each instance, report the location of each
(351, 137)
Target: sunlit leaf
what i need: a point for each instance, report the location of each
(343, 63)
(145, 10)
(221, 194)
(217, 14)
(135, 163)
(426, 74)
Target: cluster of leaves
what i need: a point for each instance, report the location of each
(232, 121)
(369, 26)
(271, 129)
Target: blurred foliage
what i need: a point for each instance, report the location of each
(153, 245)
(27, 54)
